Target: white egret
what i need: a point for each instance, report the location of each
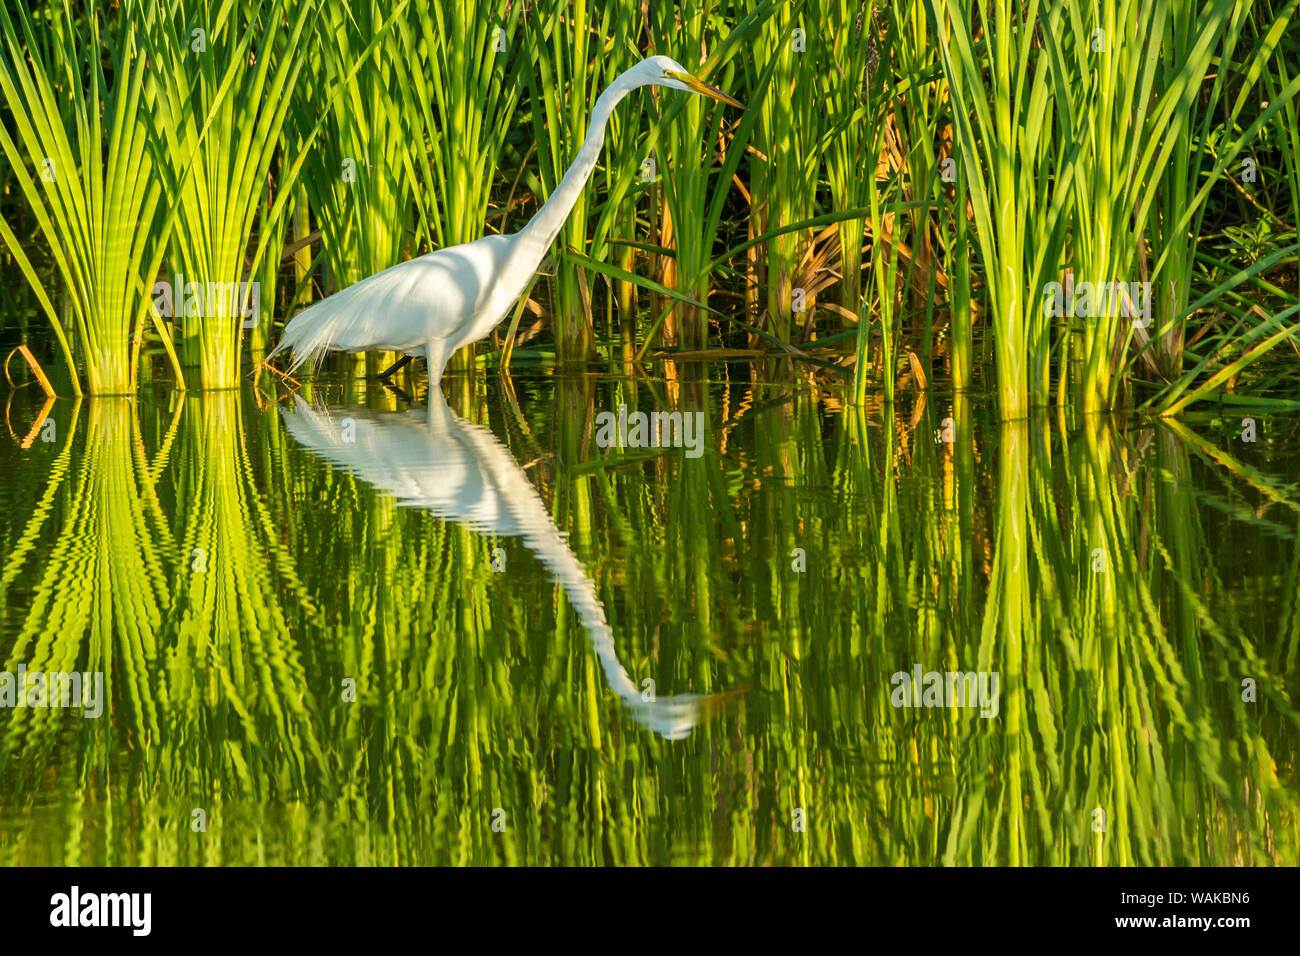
(433, 305)
(434, 460)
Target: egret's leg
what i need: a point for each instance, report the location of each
(401, 363)
(434, 355)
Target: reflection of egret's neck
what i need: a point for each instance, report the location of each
(434, 460)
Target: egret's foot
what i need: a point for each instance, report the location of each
(399, 392)
(397, 366)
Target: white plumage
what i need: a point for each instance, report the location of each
(431, 306)
(410, 307)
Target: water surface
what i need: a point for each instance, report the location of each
(347, 629)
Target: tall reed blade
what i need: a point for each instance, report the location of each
(79, 155)
(220, 91)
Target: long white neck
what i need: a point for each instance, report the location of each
(536, 237)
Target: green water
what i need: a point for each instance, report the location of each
(343, 630)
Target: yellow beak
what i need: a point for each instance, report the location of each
(699, 86)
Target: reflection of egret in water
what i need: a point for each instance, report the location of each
(460, 472)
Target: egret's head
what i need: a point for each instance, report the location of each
(665, 71)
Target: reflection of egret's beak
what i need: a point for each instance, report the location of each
(460, 472)
(699, 86)
(673, 718)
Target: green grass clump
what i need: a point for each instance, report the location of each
(909, 181)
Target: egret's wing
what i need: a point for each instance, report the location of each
(351, 319)
(402, 308)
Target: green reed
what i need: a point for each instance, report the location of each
(1129, 139)
(474, 64)
(356, 176)
(218, 124)
(1091, 145)
(1278, 76)
(464, 81)
(561, 94)
(700, 143)
(919, 114)
(1136, 69)
(782, 183)
(1000, 90)
(1262, 60)
(628, 170)
(625, 187)
(848, 68)
(79, 155)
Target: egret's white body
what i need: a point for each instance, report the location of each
(435, 304)
(434, 460)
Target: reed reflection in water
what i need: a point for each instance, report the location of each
(432, 459)
(313, 656)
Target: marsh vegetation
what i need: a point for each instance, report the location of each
(920, 451)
